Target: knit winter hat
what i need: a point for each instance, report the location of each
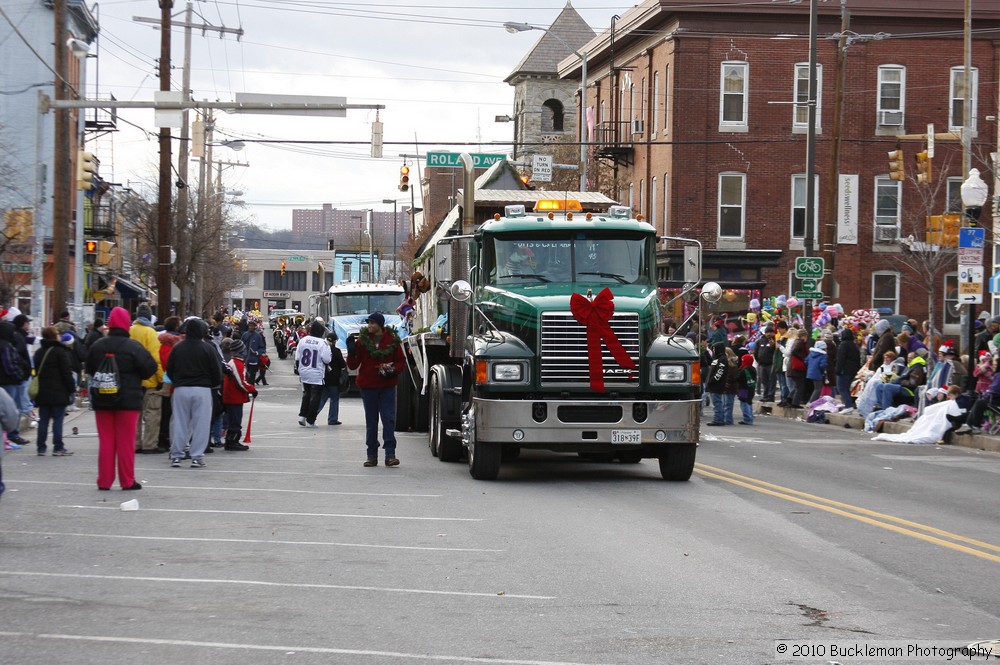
(881, 326)
(820, 346)
(119, 318)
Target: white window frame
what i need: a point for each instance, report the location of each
(883, 70)
(800, 93)
(950, 278)
(796, 179)
(721, 206)
(879, 220)
(955, 95)
(742, 124)
(654, 210)
(886, 273)
(953, 193)
(655, 105)
(666, 100)
(666, 203)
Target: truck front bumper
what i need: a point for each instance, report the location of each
(587, 425)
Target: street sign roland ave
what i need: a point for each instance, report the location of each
(480, 160)
(809, 266)
(809, 295)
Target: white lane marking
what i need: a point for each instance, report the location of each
(254, 541)
(290, 585)
(247, 489)
(263, 512)
(991, 465)
(286, 649)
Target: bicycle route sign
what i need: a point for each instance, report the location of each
(809, 267)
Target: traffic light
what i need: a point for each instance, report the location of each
(86, 169)
(404, 178)
(90, 252)
(924, 175)
(951, 227)
(105, 252)
(897, 171)
(282, 268)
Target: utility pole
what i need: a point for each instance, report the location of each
(63, 182)
(163, 200)
(828, 240)
(165, 22)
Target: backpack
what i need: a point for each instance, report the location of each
(35, 386)
(11, 362)
(105, 384)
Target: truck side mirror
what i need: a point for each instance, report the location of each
(461, 290)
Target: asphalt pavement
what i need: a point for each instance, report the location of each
(293, 552)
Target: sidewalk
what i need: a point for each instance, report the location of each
(853, 421)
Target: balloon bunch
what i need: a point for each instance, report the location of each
(859, 319)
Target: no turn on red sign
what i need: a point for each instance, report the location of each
(541, 168)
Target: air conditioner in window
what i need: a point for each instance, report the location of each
(890, 118)
(637, 127)
(885, 233)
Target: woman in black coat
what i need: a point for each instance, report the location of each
(54, 364)
(117, 413)
(848, 364)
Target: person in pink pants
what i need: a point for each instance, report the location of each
(117, 366)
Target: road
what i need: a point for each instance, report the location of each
(293, 552)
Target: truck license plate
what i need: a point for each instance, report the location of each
(626, 436)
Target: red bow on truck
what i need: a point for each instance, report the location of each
(595, 316)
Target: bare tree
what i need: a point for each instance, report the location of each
(16, 226)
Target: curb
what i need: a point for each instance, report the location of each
(850, 421)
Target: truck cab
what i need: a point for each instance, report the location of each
(564, 347)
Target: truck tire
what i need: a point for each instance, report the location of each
(421, 409)
(678, 463)
(484, 458)
(445, 413)
(404, 408)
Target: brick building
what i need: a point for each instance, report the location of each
(694, 126)
(347, 227)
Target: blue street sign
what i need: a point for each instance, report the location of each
(995, 283)
(972, 237)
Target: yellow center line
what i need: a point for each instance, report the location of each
(859, 514)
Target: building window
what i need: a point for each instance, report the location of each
(666, 101)
(800, 114)
(292, 280)
(631, 195)
(885, 291)
(656, 103)
(666, 204)
(954, 186)
(733, 102)
(552, 116)
(952, 308)
(654, 210)
(642, 197)
(887, 210)
(891, 95)
(799, 207)
(732, 188)
(957, 118)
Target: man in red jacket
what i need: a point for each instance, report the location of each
(378, 356)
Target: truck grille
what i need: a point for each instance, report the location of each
(564, 351)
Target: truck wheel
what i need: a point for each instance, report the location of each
(484, 458)
(678, 463)
(404, 410)
(420, 411)
(444, 410)
(510, 452)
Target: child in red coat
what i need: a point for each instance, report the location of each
(235, 390)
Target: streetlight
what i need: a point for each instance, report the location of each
(395, 272)
(974, 195)
(513, 27)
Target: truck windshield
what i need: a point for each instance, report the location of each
(365, 303)
(577, 258)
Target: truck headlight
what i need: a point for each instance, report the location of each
(508, 372)
(670, 373)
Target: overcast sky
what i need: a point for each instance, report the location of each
(437, 66)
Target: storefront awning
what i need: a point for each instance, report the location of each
(129, 289)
